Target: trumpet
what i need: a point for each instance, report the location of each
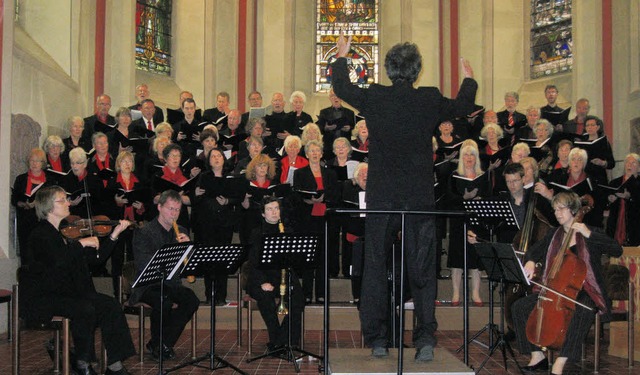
(282, 308)
(191, 279)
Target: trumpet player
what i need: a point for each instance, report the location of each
(146, 241)
(266, 285)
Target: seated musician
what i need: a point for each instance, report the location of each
(146, 242)
(57, 281)
(262, 285)
(589, 244)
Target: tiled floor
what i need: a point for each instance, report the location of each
(34, 359)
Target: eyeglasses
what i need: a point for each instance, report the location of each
(511, 182)
(560, 208)
(173, 209)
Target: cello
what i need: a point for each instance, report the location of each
(549, 321)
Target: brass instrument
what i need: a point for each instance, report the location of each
(191, 279)
(282, 308)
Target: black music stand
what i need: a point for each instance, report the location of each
(164, 265)
(502, 266)
(490, 214)
(205, 260)
(288, 251)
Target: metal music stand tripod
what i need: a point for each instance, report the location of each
(164, 265)
(503, 266)
(288, 251)
(490, 214)
(204, 260)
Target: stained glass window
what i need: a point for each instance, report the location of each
(358, 18)
(153, 36)
(551, 38)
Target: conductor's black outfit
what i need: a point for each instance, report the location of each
(401, 120)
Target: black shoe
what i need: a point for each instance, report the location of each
(510, 335)
(167, 352)
(85, 371)
(540, 366)
(122, 371)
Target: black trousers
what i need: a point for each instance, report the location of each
(98, 310)
(420, 260)
(174, 319)
(278, 332)
(315, 224)
(576, 333)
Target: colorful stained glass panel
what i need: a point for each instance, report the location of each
(360, 20)
(551, 38)
(153, 36)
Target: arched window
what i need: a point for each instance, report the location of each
(358, 18)
(551, 37)
(153, 36)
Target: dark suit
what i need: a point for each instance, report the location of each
(213, 114)
(400, 118)
(90, 126)
(158, 116)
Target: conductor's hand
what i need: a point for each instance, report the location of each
(343, 45)
(529, 269)
(183, 238)
(466, 68)
(90, 242)
(267, 287)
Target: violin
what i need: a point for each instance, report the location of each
(549, 321)
(99, 225)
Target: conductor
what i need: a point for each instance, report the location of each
(400, 117)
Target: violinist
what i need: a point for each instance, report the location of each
(589, 244)
(24, 188)
(57, 281)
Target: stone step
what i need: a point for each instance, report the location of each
(340, 289)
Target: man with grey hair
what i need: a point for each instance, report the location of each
(510, 119)
(576, 124)
(401, 120)
(143, 93)
(528, 131)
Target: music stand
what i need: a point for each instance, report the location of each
(490, 214)
(164, 265)
(502, 265)
(288, 251)
(205, 260)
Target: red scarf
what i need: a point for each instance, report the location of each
(319, 209)
(590, 283)
(128, 209)
(102, 165)
(266, 184)
(81, 177)
(55, 165)
(571, 182)
(300, 162)
(176, 177)
(363, 146)
(31, 179)
(621, 223)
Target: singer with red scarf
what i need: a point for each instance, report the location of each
(624, 210)
(124, 181)
(173, 172)
(24, 188)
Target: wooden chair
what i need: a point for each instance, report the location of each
(58, 324)
(619, 288)
(143, 310)
(5, 297)
(251, 305)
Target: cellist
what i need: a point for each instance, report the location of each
(589, 244)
